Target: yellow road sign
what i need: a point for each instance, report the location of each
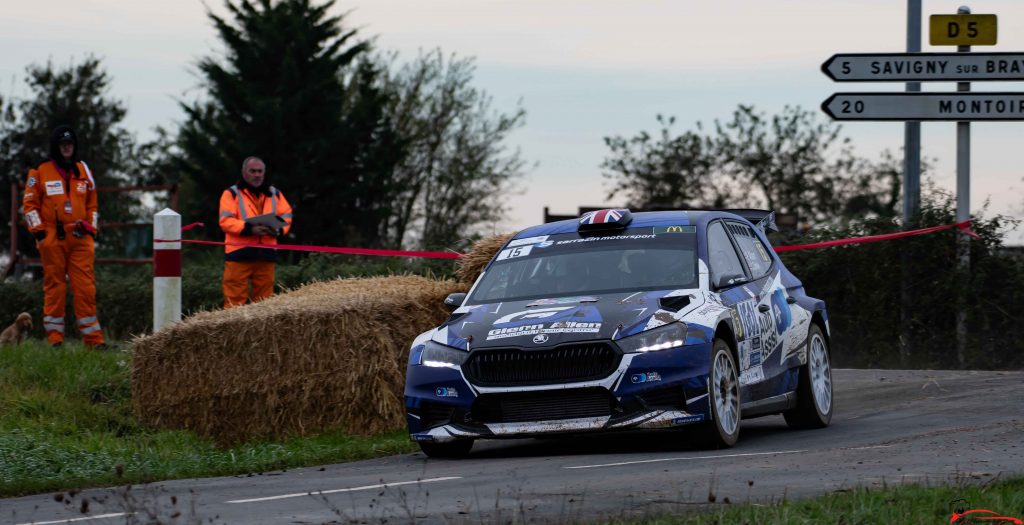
(962, 30)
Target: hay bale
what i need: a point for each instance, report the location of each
(327, 355)
(468, 267)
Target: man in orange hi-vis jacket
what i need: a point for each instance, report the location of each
(251, 197)
(60, 210)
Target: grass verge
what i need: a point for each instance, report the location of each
(904, 504)
(66, 422)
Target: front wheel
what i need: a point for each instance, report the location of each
(814, 392)
(724, 397)
(451, 450)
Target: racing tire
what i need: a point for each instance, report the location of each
(451, 450)
(723, 398)
(814, 400)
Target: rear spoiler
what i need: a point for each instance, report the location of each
(764, 219)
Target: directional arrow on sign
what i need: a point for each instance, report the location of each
(955, 106)
(924, 67)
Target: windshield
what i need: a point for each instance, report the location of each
(636, 259)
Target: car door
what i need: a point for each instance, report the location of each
(738, 296)
(772, 309)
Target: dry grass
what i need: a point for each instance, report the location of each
(470, 265)
(327, 355)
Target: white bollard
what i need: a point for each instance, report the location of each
(166, 269)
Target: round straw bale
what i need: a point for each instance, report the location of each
(469, 267)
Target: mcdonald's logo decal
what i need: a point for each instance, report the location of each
(675, 229)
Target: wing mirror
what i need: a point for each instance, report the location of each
(455, 300)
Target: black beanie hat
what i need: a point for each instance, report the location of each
(63, 133)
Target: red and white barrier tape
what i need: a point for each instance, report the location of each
(964, 227)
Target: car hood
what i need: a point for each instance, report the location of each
(549, 322)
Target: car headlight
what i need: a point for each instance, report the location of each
(439, 355)
(662, 338)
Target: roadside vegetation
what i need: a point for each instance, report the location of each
(66, 422)
(904, 504)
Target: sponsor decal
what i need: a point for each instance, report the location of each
(31, 182)
(527, 240)
(754, 374)
(783, 314)
(563, 300)
(737, 324)
(422, 437)
(675, 229)
(32, 218)
(512, 253)
(29, 195)
(544, 244)
(748, 318)
(769, 336)
(82, 186)
(540, 339)
(646, 377)
(688, 419)
(55, 187)
(560, 327)
(609, 238)
(761, 252)
(446, 391)
(530, 315)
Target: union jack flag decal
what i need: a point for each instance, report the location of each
(612, 218)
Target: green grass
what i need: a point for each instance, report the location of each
(66, 422)
(903, 504)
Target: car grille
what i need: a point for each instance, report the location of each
(545, 405)
(563, 364)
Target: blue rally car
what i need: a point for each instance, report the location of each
(624, 320)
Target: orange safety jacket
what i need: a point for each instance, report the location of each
(50, 200)
(237, 205)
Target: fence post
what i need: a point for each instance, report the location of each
(166, 269)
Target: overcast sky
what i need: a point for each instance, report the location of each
(582, 69)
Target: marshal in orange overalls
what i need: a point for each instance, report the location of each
(245, 264)
(61, 212)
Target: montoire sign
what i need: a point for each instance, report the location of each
(951, 106)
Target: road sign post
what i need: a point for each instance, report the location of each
(963, 205)
(963, 30)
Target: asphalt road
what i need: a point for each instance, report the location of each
(889, 427)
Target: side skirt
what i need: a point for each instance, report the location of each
(769, 405)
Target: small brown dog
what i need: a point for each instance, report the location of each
(18, 331)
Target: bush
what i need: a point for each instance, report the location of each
(124, 295)
(863, 288)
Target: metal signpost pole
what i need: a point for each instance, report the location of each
(911, 184)
(963, 207)
(912, 129)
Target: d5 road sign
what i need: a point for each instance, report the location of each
(924, 67)
(951, 106)
(962, 30)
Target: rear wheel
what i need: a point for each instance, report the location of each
(724, 398)
(814, 393)
(452, 449)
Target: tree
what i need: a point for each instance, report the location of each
(290, 89)
(456, 171)
(790, 162)
(672, 172)
(75, 95)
